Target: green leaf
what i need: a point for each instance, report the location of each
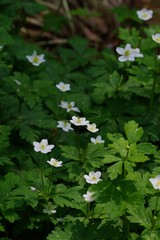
(4, 137)
(70, 152)
(94, 154)
(63, 196)
(140, 215)
(115, 170)
(133, 132)
(120, 146)
(111, 158)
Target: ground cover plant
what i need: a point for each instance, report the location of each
(79, 131)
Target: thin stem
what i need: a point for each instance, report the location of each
(41, 171)
(78, 143)
(60, 98)
(125, 228)
(155, 210)
(68, 14)
(154, 80)
(49, 188)
(88, 209)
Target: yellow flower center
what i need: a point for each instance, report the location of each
(43, 146)
(157, 183)
(145, 15)
(127, 53)
(35, 59)
(94, 178)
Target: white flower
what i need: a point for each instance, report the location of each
(92, 128)
(93, 177)
(97, 140)
(42, 146)
(49, 209)
(136, 52)
(35, 59)
(158, 56)
(145, 14)
(17, 82)
(155, 182)
(156, 37)
(33, 189)
(128, 53)
(89, 196)
(79, 121)
(1, 47)
(63, 87)
(55, 163)
(69, 106)
(66, 126)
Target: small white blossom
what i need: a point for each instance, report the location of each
(60, 219)
(63, 87)
(128, 53)
(49, 209)
(79, 121)
(69, 106)
(55, 163)
(66, 126)
(92, 128)
(158, 56)
(89, 196)
(33, 189)
(35, 59)
(97, 140)
(136, 52)
(17, 82)
(156, 37)
(155, 182)
(93, 177)
(42, 146)
(1, 47)
(145, 14)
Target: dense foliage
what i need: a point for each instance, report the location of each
(62, 178)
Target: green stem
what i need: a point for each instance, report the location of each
(154, 80)
(155, 210)
(125, 228)
(41, 171)
(88, 209)
(78, 143)
(49, 188)
(60, 99)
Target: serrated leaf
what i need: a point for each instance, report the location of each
(138, 157)
(115, 170)
(133, 132)
(111, 158)
(140, 215)
(70, 152)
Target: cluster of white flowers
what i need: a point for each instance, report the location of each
(128, 53)
(45, 148)
(81, 121)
